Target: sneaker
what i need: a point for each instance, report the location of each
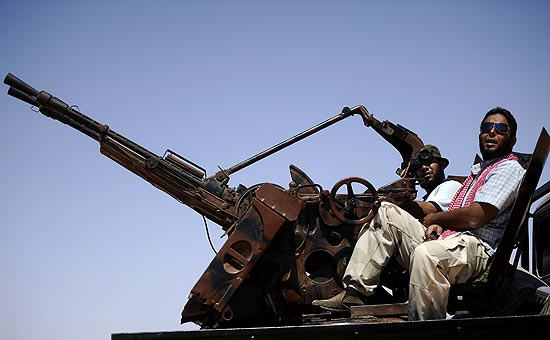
(340, 302)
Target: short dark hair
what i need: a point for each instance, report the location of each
(509, 117)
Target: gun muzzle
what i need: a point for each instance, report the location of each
(20, 85)
(12, 91)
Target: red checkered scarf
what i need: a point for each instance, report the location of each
(460, 199)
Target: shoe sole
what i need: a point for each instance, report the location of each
(334, 309)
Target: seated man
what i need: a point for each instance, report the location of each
(431, 174)
(473, 226)
(439, 193)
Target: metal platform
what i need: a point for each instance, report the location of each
(517, 327)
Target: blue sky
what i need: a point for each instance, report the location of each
(88, 249)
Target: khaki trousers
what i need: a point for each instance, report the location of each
(433, 265)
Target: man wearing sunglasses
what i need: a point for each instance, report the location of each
(448, 247)
(431, 175)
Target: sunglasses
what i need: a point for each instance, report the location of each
(424, 157)
(500, 128)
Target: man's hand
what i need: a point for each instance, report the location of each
(433, 232)
(429, 219)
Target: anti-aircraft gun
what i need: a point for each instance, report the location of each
(285, 247)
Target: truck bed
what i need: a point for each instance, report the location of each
(510, 327)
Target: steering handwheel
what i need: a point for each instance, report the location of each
(354, 208)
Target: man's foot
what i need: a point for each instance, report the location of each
(341, 302)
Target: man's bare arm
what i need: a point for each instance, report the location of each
(418, 209)
(473, 216)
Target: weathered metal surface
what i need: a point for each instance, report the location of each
(210, 298)
(380, 310)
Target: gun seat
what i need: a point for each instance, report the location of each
(482, 295)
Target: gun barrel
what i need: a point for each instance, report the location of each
(173, 174)
(13, 81)
(12, 91)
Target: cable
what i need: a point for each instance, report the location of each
(208, 235)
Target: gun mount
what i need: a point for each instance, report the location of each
(285, 247)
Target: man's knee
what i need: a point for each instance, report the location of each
(424, 257)
(421, 254)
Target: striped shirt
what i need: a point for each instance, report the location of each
(499, 190)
